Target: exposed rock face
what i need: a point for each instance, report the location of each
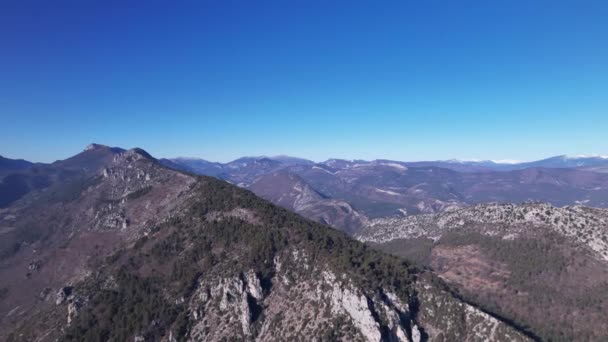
(236, 297)
(254, 286)
(416, 336)
(63, 294)
(74, 305)
(303, 306)
(345, 301)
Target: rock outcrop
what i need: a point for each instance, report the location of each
(307, 306)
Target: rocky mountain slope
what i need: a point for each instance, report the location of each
(54, 237)
(290, 191)
(145, 253)
(540, 266)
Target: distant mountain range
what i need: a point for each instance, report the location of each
(587, 162)
(357, 190)
(597, 163)
(265, 164)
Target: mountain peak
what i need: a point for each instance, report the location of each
(140, 152)
(190, 159)
(94, 146)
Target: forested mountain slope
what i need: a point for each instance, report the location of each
(142, 252)
(541, 266)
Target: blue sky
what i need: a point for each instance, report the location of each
(407, 80)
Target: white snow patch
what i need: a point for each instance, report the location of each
(392, 193)
(462, 161)
(505, 161)
(322, 169)
(582, 156)
(395, 165)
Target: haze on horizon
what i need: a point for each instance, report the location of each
(221, 80)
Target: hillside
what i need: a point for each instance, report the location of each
(8, 166)
(290, 191)
(541, 266)
(141, 252)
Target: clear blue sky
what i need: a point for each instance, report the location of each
(219, 79)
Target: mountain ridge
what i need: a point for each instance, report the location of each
(171, 255)
(559, 161)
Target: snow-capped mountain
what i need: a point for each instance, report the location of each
(473, 165)
(564, 161)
